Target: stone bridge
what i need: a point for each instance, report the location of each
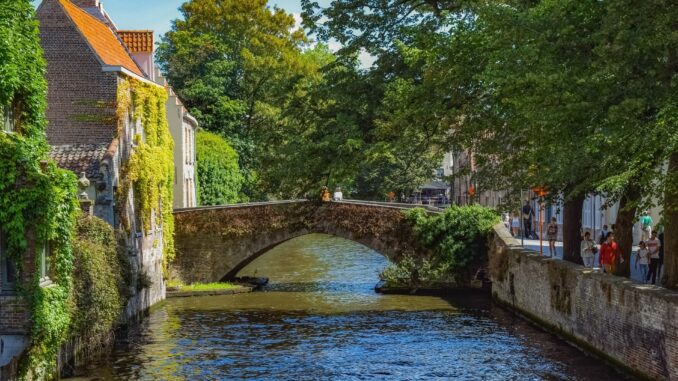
(214, 243)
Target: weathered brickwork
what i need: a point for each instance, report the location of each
(212, 243)
(13, 315)
(81, 98)
(633, 325)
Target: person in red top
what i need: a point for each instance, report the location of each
(609, 252)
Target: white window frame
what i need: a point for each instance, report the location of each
(8, 120)
(43, 263)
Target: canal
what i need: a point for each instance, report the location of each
(319, 319)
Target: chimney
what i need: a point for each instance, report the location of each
(86, 3)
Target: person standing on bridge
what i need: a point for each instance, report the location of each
(338, 195)
(324, 194)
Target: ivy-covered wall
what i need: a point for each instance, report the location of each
(37, 200)
(150, 167)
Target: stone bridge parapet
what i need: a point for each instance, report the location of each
(214, 243)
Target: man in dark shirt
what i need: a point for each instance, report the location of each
(528, 215)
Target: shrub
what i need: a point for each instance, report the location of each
(100, 287)
(458, 241)
(219, 177)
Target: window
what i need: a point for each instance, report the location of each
(7, 268)
(43, 262)
(7, 118)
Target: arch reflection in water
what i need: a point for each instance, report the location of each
(320, 320)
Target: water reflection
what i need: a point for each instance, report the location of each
(320, 320)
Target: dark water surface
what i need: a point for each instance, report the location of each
(320, 320)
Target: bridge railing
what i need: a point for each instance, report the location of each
(392, 205)
(395, 205)
(239, 205)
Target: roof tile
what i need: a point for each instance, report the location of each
(80, 158)
(101, 38)
(137, 40)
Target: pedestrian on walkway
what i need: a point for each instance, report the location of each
(588, 250)
(646, 226)
(653, 246)
(552, 235)
(528, 216)
(603, 234)
(643, 261)
(515, 224)
(609, 252)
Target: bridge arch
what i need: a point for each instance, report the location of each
(214, 243)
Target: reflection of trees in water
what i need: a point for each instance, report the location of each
(317, 258)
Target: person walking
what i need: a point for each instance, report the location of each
(653, 246)
(528, 216)
(603, 234)
(646, 226)
(643, 261)
(609, 252)
(588, 250)
(515, 224)
(552, 235)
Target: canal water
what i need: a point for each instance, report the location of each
(319, 319)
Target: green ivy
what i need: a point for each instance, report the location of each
(150, 169)
(457, 239)
(37, 200)
(100, 282)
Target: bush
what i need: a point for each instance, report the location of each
(458, 241)
(100, 281)
(219, 177)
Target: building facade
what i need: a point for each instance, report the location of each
(183, 127)
(87, 65)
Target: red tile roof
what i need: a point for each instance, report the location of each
(137, 40)
(101, 38)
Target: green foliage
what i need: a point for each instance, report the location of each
(457, 239)
(232, 62)
(219, 178)
(100, 280)
(37, 200)
(150, 168)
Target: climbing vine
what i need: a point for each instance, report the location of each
(37, 200)
(150, 168)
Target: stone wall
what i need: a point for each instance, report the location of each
(630, 324)
(214, 243)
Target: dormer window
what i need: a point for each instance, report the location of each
(7, 118)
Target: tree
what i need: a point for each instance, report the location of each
(219, 177)
(231, 62)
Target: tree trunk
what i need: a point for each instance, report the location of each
(670, 279)
(624, 228)
(572, 214)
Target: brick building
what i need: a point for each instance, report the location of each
(87, 62)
